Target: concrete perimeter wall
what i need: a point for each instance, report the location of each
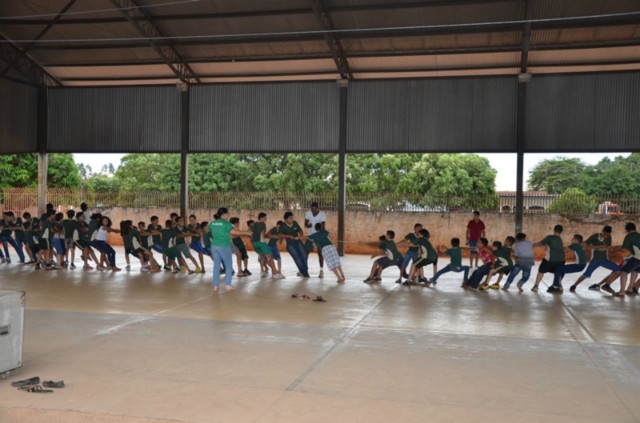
(363, 227)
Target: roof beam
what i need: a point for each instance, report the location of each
(41, 34)
(526, 37)
(335, 47)
(25, 65)
(258, 13)
(142, 20)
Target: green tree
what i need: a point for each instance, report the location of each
(620, 177)
(99, 182)
(573, 201)
(556, 175)
(21, 170)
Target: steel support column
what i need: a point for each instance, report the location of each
(43, 157)
(184, 153)
(342, 165)
(520, 134)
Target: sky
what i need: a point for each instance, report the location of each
(505, 164)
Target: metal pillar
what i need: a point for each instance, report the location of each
(43, 157)
(184, 150)
(342, 164)
(520, 134)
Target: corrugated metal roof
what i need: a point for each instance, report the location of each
(19, 114)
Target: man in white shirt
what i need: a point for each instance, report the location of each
(312, 217)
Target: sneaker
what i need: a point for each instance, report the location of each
(306, 275)
(87, 267)
(405, 275)
(51, 267)
(145, 269)
(264, 274)
(495, 286)
(407, 283)
(435, 282)
(229, 288)
(607, 288)
(554, 290)
(535, 288)
(167, 269)
(216, 289)
(246, 272)
(72, 266)
(572, 288)
(483, 287)
(127, 267)
(368, 280)
(8, 261)
(635, 291)
(594, 287)
(278, 276)
(198, 270)
(377, 279)
(298, 274)
(202, 272)
(399, 280)
(423, 280)
(321, 274)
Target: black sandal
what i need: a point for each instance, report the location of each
(35, 389)
(319, 299)
(52, 384)
(26, 382)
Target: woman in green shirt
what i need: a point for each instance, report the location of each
(221, 247)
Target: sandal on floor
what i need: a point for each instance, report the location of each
(319, 299)
(36, 389)
(52, 384)
(26, 382)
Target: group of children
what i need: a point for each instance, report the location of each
(52, 240)
(511, 257)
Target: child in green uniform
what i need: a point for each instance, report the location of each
(455, 265)
(579, 265)
(426, 255)
(503, 263)
(169, 247)
(196, 236)
(292, 232)
(182, 233)
(258, 236)
(554, 258)
(273, 245)
(240, 250)
(390, 257)
(329, 252)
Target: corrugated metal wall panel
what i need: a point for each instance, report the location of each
(286, 117)
(463, 115)
(115, 119)
(596, 112)
(18, 117)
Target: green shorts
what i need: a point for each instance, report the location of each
(262, 248)
(172, 253)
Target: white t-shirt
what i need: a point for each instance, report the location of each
(101, 235)
(318, 218)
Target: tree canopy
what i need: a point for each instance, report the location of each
(620, 176)
(21, 170)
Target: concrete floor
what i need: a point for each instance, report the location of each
(136, 347)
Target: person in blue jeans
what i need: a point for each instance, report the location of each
(578, 266)
(600, 243)
(221, 230)
(7, 226)
(292, 233)
(412, 252)
(523, 250)
(455, 255)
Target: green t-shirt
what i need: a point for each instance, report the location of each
(632, 243)
(207, 238)
(181, 240)
(157, 239)
(239, 243)
(455, 254)
(29, 237)
(94, 225)
(293, 230)
(68, 225)
(411, 237)
(578, 251)
(5, 233)
(595, 241)
(47, 232)
(83, 231)
(273, 241)
(503, 255)
(194, 229)
(19, 233)
(424, 243)
(555, 248)
(321, 238)
(221, 232)
(390, 249)
(168, 238)
(127, 239)
(256, 231)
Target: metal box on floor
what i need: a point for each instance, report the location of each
(11, 330)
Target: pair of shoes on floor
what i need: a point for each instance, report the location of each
(33, 385)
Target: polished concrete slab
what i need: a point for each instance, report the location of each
(136, 347)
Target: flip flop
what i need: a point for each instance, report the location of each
(319, 299)
(26, 382)
(52, 384)
(36, 389)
